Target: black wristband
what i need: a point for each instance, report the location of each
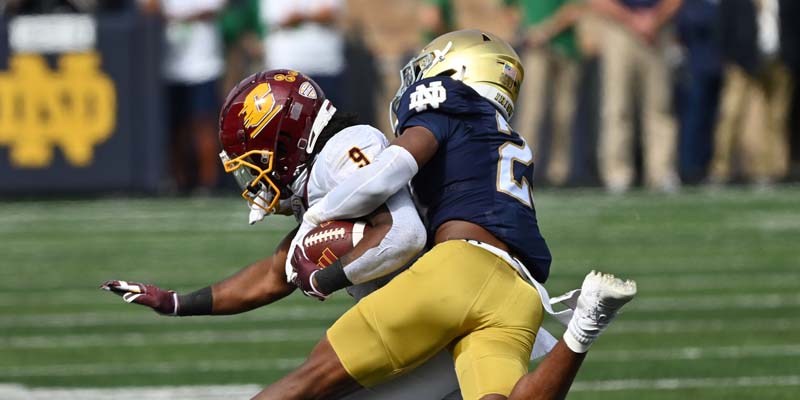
(198, 302)
(332, 278)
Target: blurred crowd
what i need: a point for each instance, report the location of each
(660, 92)
(618, 93)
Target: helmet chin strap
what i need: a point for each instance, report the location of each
(323, 117)
(298, 184)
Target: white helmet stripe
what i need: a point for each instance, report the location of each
(323, 117)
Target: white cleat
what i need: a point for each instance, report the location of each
(602, 296)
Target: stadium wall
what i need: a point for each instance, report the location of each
(80, 104)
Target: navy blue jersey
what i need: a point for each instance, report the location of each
(482, 171)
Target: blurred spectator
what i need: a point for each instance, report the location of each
(794, 139)
(760, 49)
(193, 65)
(698, 31)
(242, 34)
(633, 48)
(363, 78)
(115, 5)
(550, 54)
(436, 17)
(305, 35)
(63, 6)
(38, 7)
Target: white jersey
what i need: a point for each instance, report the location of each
(344, 153)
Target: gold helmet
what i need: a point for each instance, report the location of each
(478, 58)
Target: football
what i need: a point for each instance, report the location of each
(331, 240)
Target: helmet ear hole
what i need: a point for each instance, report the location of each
(447, 72)
(486, 38)
(281, 150)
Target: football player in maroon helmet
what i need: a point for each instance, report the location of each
(287, 145)
(269, 127)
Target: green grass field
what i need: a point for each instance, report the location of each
(717, 316)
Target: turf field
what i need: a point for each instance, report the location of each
(718, 315)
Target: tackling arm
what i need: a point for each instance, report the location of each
(397, 235)
(372, 185)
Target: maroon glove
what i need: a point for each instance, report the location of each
(160, 300)
(305, 270)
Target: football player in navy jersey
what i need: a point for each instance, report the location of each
(478, 291)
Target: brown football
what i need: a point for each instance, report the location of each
(333, 239)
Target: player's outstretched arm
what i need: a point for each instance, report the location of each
(256, 285)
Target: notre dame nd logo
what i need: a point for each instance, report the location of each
(73, 108)
(424, 96)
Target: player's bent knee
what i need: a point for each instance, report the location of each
(322, 376)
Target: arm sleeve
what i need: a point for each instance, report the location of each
(405, 239)
(367, 188)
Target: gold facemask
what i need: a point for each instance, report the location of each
(257, 187)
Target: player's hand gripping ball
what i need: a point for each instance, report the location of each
(321, 247)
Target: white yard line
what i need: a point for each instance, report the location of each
(326, 314)
(688, 283)
(309, 312)
(167, 367)
(695, 353)
(625, 326)
(19, 392)
(716, 302)
(685, 383)
(266, 335)
(281, 364)
(643, 304)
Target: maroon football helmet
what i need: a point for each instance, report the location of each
(268, 128)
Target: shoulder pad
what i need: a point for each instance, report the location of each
(441, 94)
(362, 136)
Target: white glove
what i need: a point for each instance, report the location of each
(312, 214)
(304, 228)
(257, 212)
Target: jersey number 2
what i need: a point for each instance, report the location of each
(511, 153)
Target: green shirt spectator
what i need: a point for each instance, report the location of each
(539, 15)
(437, 18)
(238, 18)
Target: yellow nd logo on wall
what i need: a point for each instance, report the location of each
(73, 107)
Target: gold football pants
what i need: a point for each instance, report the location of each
(457, 296)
